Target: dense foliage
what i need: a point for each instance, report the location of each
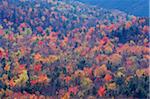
(64, 49)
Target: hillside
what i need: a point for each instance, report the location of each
(65, 49)
(135, 7)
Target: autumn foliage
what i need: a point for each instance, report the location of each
(61, 49)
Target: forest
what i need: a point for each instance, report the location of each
(65, 49)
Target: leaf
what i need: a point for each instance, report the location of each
(101, 91)
(39, 29)
(37, 56)
(66, 96)
(23, 78)
(50, 59)
(115, 59)
(1, 52)
(67, 79)
(108, 77)
(33, 82)
(1, 31)
(23, 25)
(108, 49)
(128, 25)
(73, 90)
(140, 72)
(146, 29)
(37, 67)
(42, 78)
(12, 83)
(120, 74)
(88, 71)
(7, 67)
(86, 82)
(111, 86)
(100, 70)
